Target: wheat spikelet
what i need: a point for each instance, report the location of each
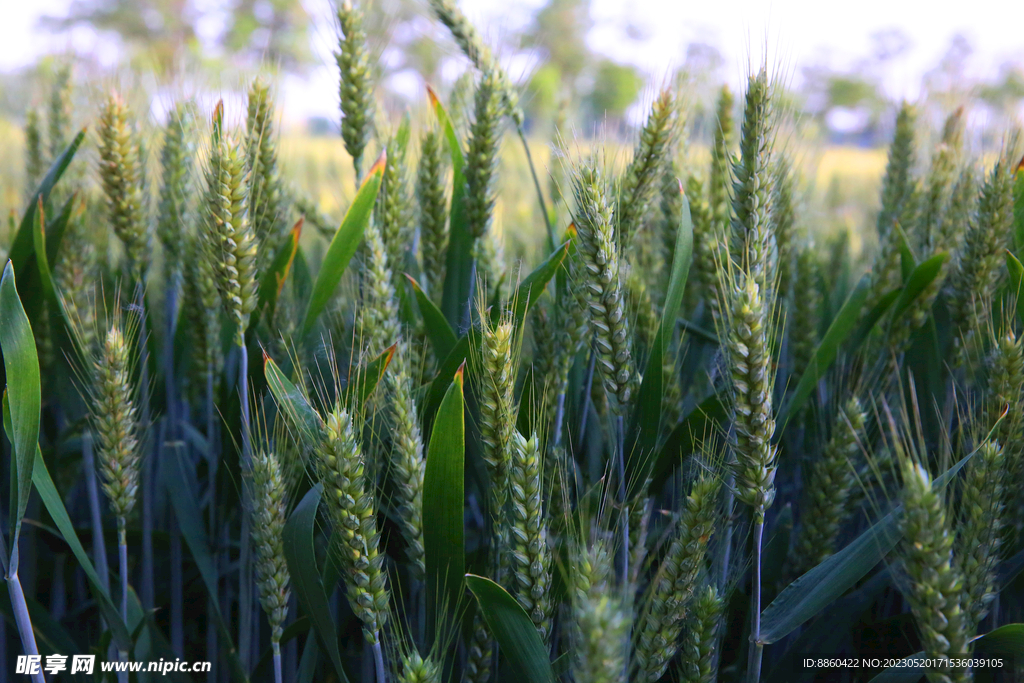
(201, 307)
(482, 158)
(977, 272)
(350, 499)
(753, 240)
(827, 493)
(671, 209)
(935, 583)
(707, 245)
(115, 423)
(408, 465)
(698, 649)
(721, 163)
(394, 206)
(599, 257)
(600, 620)
(480, 651)
(531, 560)
(59, 111)
(269, 514)
(934, 214)
(497, 412)
(806, 305)
(176, 169)
(657, 635)
(356, 89)
(264, 179)
(76, 275)
(980, 531)
(640, 178)
(752, 380)
(121, 173)
(231, 242)
(34, 164)
(431, 193)
(962, 205)
(898, 183)
(477, 52)
(416, 669)
(784, 215)
(378, 314)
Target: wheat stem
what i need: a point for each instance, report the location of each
(756, 646)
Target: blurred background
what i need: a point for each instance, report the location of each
(593, 65)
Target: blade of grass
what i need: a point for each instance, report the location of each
(439, 332)
(276, 275)
(513, 630)
(1016, 271)
(22, 246)
(309, 588)
(290, 399)
(23, 393)
(443, 495)
(813, 591)
(344, 245)
(843, 324)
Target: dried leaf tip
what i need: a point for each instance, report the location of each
(432, 96)
(378, 166)
(459, 374)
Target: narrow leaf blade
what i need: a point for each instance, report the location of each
(513, 630)
(344, 245)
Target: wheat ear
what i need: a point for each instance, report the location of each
(269, 514)
(356, 89)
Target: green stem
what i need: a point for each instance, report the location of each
(276, 645)
(378, 661)
(99, 547)
(540, 193)
(211, 604)
(244, 587)
(756, 646)
(122, 556)
(23, 620)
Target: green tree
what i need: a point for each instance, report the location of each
(274, 31)
(616, 86)
(559, 30)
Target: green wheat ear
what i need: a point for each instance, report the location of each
(356, 87)
(601, 621)
(122, 176)
(935, 582)
(270, 512)
(639, 181)
(432, 196)
(231, 241)
(753, 237)
(482, 156)
(264, 178)
(699, 640)
(34, 163)
(350, 499)
(416, 669)
(657, 636)
(979, 533)
(721, 163)
(176, 171)
(598, 256)
(806, 311)
(531, 570)
(116, 424)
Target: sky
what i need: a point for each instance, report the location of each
(792, 33)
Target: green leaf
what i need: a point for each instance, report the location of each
(907, 260)
(871, 319)
(300, 554)
(42, 262)
(293, 402)
(702, 422)
(180, 487)
(530, 289)
(23, 392)
(439, 332)
(277, 274)
(344, 245)
(22, 246)
(810, 593)
(919, 280)
(646, 422)
(513, 630)
(366, 379)
(443, 499)
(1016, 270)
(525, 296)
(843, 324)
(55, 506)
(459, 261)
